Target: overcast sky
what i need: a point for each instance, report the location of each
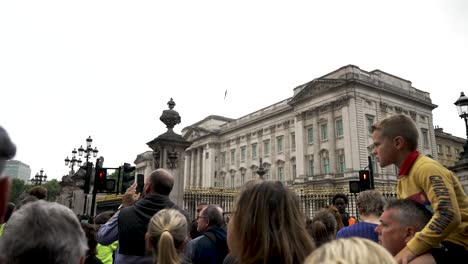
(107, 69)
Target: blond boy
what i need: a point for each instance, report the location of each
(425, 181)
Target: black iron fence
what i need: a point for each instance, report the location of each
(311, 199)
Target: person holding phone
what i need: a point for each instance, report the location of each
(130, 224)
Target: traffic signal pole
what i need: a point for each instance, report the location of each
(99, 164)
(93, 201)
(87, 185)
(371, 172)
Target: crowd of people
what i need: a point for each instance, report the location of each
(428, 223)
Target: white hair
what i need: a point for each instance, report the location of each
(43, 232)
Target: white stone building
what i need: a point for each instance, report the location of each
(17, 169)
(320, 135)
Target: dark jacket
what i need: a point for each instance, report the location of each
(133, 222)
(211, 247)
(92, 260)
(345, 218)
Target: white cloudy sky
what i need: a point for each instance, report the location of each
(71, 69)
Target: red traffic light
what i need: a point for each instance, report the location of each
(101, 174)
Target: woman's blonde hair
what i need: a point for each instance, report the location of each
(269, 226)
(354, 250)
(167, 231)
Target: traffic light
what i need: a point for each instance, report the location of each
(102, 184)
(354, 186)
(364, 180)
(128, 177)
(100, 180)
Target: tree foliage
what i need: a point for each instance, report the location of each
(19, 187)
(53, 190)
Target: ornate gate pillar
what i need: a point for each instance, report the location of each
(169, 150)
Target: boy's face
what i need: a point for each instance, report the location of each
(384, 149)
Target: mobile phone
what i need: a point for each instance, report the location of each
(140, 183)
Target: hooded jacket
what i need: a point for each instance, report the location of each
(209, 248)
(133, 222)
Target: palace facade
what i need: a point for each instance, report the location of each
(449, 147)
(320, 136)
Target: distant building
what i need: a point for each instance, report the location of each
(17, 169)
(449, 147)
(144, 163)
(320, 136)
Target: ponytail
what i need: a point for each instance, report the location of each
(167, 231)
(167, 253)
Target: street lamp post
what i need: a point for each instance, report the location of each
(89, 165)
(39, 178)
(462, 107)
(71, 162)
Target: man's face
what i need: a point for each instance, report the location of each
(392, 235)
(340, 205)
(202, 222)
(384, 149)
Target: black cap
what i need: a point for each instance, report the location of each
(7, 148)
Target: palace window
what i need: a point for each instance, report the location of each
(326, 165)
(341, 163)
(293, 141)
(370, 123)
(243, 153)
(266, 148)
(280, 174)
(232, 181)
(324, 131)
(311, 166)
(310, 135)
(374, 163)
(425, 138)
(279, 144)
(223, 158)
(254, 151)
(233, 153)
(339, 128)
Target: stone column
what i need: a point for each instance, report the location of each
(200, 169)
(193, 170)
(347, 137)
(299, 131)
(205, 167)
(331, 141)
(317, 146)
(210, 165)
(273, 153)
(287, 152)
(187, 169)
